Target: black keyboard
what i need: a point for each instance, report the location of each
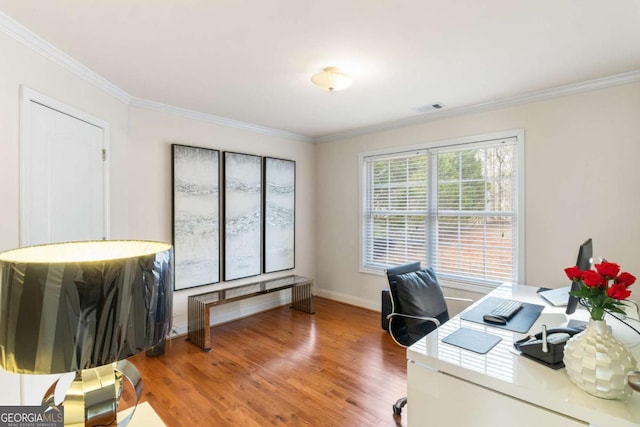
(503, 312)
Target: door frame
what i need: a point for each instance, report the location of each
(28, 95)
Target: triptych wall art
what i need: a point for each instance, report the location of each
(258, 215)
(196, 218)
(242, 215)
(279, 212)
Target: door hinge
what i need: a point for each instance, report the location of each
(104, 155)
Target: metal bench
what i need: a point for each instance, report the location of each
(199, 306)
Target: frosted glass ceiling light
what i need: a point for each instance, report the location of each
(331, 79)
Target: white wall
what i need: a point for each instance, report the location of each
(150, 137)
(582, 179)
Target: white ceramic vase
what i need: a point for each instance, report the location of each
(598, 363)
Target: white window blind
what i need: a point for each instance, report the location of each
(452, 207)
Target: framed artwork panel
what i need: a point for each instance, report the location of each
(196, 215)
(242, 215)
(279, 214)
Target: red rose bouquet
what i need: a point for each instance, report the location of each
(603, 289)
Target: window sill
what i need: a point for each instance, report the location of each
(451, 284)
(373, 271)
(468, 287)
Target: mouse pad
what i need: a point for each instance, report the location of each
(521, 322)
(472, 340)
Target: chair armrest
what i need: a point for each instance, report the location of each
(430, 319)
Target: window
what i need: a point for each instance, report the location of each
(453, 206)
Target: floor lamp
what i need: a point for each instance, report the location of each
(85, 307)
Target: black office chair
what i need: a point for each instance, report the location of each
(418, 307)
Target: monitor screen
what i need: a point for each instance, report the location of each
(585, 254)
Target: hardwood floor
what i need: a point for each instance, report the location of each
(281, 368)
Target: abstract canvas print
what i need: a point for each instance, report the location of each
(242, 215)
(196, 216)
(279, 214)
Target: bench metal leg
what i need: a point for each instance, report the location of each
(199, 331)
(302, 299)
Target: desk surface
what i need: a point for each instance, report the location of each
(502, 370)
(144, 416)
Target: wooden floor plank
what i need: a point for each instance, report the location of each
(281, 368)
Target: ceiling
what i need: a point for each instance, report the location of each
(251, 60)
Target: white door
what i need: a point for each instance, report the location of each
(63, 173)
(64, 195)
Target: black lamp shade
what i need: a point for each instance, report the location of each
(72, 306)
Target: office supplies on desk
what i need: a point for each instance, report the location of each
(502, 389)
(521, 322)
(579, 325)
(503, 312)
(556, 297)
(546, 347)
(470, 339)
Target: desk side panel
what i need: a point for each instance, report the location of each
(430, 404)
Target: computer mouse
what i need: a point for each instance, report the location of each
(497, 320)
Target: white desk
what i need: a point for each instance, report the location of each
(144, 416)
(450, 386)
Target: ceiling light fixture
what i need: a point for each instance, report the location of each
(331, 79)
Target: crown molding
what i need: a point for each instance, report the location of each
(222, 121)
(25, 36)
(574, 88)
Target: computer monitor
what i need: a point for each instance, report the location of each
(585, 254)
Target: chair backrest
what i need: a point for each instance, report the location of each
(416, 292)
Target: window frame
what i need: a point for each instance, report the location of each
(475, 286)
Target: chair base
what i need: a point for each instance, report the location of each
(397, 407)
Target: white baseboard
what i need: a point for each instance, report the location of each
(348, 299)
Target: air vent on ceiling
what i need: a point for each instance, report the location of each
(429, 108)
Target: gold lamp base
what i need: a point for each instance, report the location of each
(92, 398)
